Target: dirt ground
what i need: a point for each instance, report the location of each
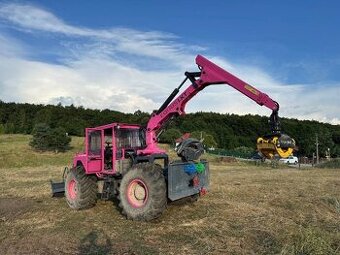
(249, 210)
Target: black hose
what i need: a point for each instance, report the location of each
(65, 170)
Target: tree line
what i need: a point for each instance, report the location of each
(225, 131)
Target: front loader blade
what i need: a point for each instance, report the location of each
(58, 189)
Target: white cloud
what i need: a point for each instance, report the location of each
(32, 18)
(10, 47)
(112, 86)
(153, 44)
(100, 72)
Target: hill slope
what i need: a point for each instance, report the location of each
(229, 130)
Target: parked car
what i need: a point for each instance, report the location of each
(290, 160)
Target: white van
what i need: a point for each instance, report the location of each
(290, 160)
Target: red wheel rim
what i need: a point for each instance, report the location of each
(137, 193)
(72, 189)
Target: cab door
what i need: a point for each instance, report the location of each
(109, 148)
(94, 152)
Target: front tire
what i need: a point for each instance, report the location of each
(142, 192)
(80, 189)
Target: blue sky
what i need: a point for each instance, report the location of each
(129, 55)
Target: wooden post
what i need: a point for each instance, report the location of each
(317, 148)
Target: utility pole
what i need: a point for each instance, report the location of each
(317, 148)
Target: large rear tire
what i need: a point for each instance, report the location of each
(80, 189)
(142, 192)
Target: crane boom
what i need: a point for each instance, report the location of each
(213, 74)
(209, 74)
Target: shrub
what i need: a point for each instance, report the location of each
(207, 139)
(48, 139)
(170, 135)
(334, 163)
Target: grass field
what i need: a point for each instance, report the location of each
(249, 210)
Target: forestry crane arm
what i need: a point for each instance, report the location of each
(209, 74)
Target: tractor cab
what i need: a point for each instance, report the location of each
(110, 149)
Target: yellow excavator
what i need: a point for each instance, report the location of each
(276, 143)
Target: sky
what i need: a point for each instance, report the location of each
(130, 55)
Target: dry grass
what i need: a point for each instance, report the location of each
(249, 210)
(16, 153)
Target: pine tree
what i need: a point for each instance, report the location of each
(40, 139)
(47, 139)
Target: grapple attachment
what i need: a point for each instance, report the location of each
(281, 145)
(190, 149)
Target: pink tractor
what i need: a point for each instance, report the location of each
(123, 161)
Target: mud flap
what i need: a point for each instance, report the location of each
(58, 188)
(187, 178)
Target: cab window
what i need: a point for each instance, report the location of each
(95, 143)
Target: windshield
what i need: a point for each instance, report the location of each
(129, 138)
